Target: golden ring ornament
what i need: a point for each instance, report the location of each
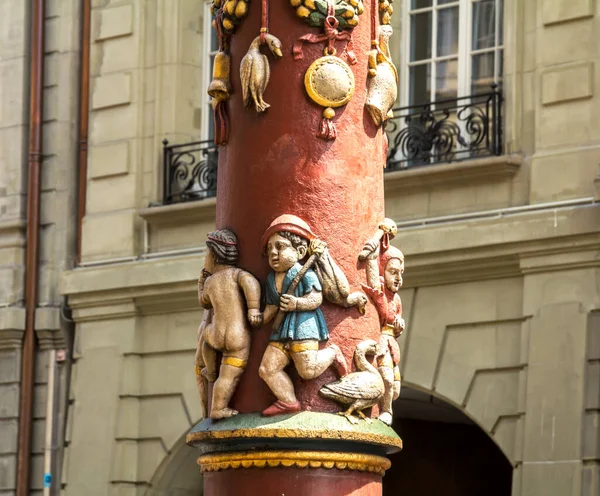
(329, 82)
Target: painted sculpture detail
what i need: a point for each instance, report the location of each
(385, 267)
(329, 81)
(303, 271)
(361, 389)
(231, 299)
(293, 297)
(255, 71)
(383, 78)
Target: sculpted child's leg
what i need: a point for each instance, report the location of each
(232, 368)
(397, 382)
(201, 381)
(271, 371)
(311, 362)
(209, 355)
(387, 374)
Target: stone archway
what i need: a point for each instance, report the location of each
(178, 474)
(445, 452)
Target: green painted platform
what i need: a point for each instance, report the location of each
(303, 430)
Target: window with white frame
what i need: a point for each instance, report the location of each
(453, 48)
(210, 47)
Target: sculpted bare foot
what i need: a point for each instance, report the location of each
(224, 413)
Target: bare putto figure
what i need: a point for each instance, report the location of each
(231, 299)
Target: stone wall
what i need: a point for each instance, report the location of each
(57, 224)
(13, 155)
(146, 73)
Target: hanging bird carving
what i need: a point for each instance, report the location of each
(358, 390)
(255, 71)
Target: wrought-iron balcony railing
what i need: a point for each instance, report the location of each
(445, 131)
(189, 171)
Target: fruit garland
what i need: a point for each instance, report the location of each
(233, 13)
(314, 12)
(386, 10)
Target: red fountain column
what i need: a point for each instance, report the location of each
(274, 164)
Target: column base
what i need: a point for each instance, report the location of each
(300, 454)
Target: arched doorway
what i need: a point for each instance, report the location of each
(445, 452)
(178, 474)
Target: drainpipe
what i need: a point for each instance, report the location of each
(84, 100)
(31, 268)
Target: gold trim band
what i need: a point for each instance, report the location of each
(278, 345)
(300, 347)
(234, 362)
(295, 347)
(214, 462)
(198, 371)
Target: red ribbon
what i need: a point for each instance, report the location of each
(330, 34)
(264, 27)
(221, 123)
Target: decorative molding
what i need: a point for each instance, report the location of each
(214, 462)
(475, 249)
(428, 176)
(180, 213)
(12, 233)
(48, 329)
(581, 258)
(493, 248)
(12, 327)
(121, 308)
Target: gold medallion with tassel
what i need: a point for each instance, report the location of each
(329, 82)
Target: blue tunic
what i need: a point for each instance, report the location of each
(297, 326)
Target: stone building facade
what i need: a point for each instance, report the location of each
(501, 293)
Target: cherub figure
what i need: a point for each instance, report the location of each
(231, 299)
(385, 267)
(293, 297)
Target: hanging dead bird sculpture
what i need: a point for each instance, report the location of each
(383, 78)
(255, 71)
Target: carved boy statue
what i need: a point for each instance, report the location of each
(231, 299)
(383, 286)
(293, 297)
